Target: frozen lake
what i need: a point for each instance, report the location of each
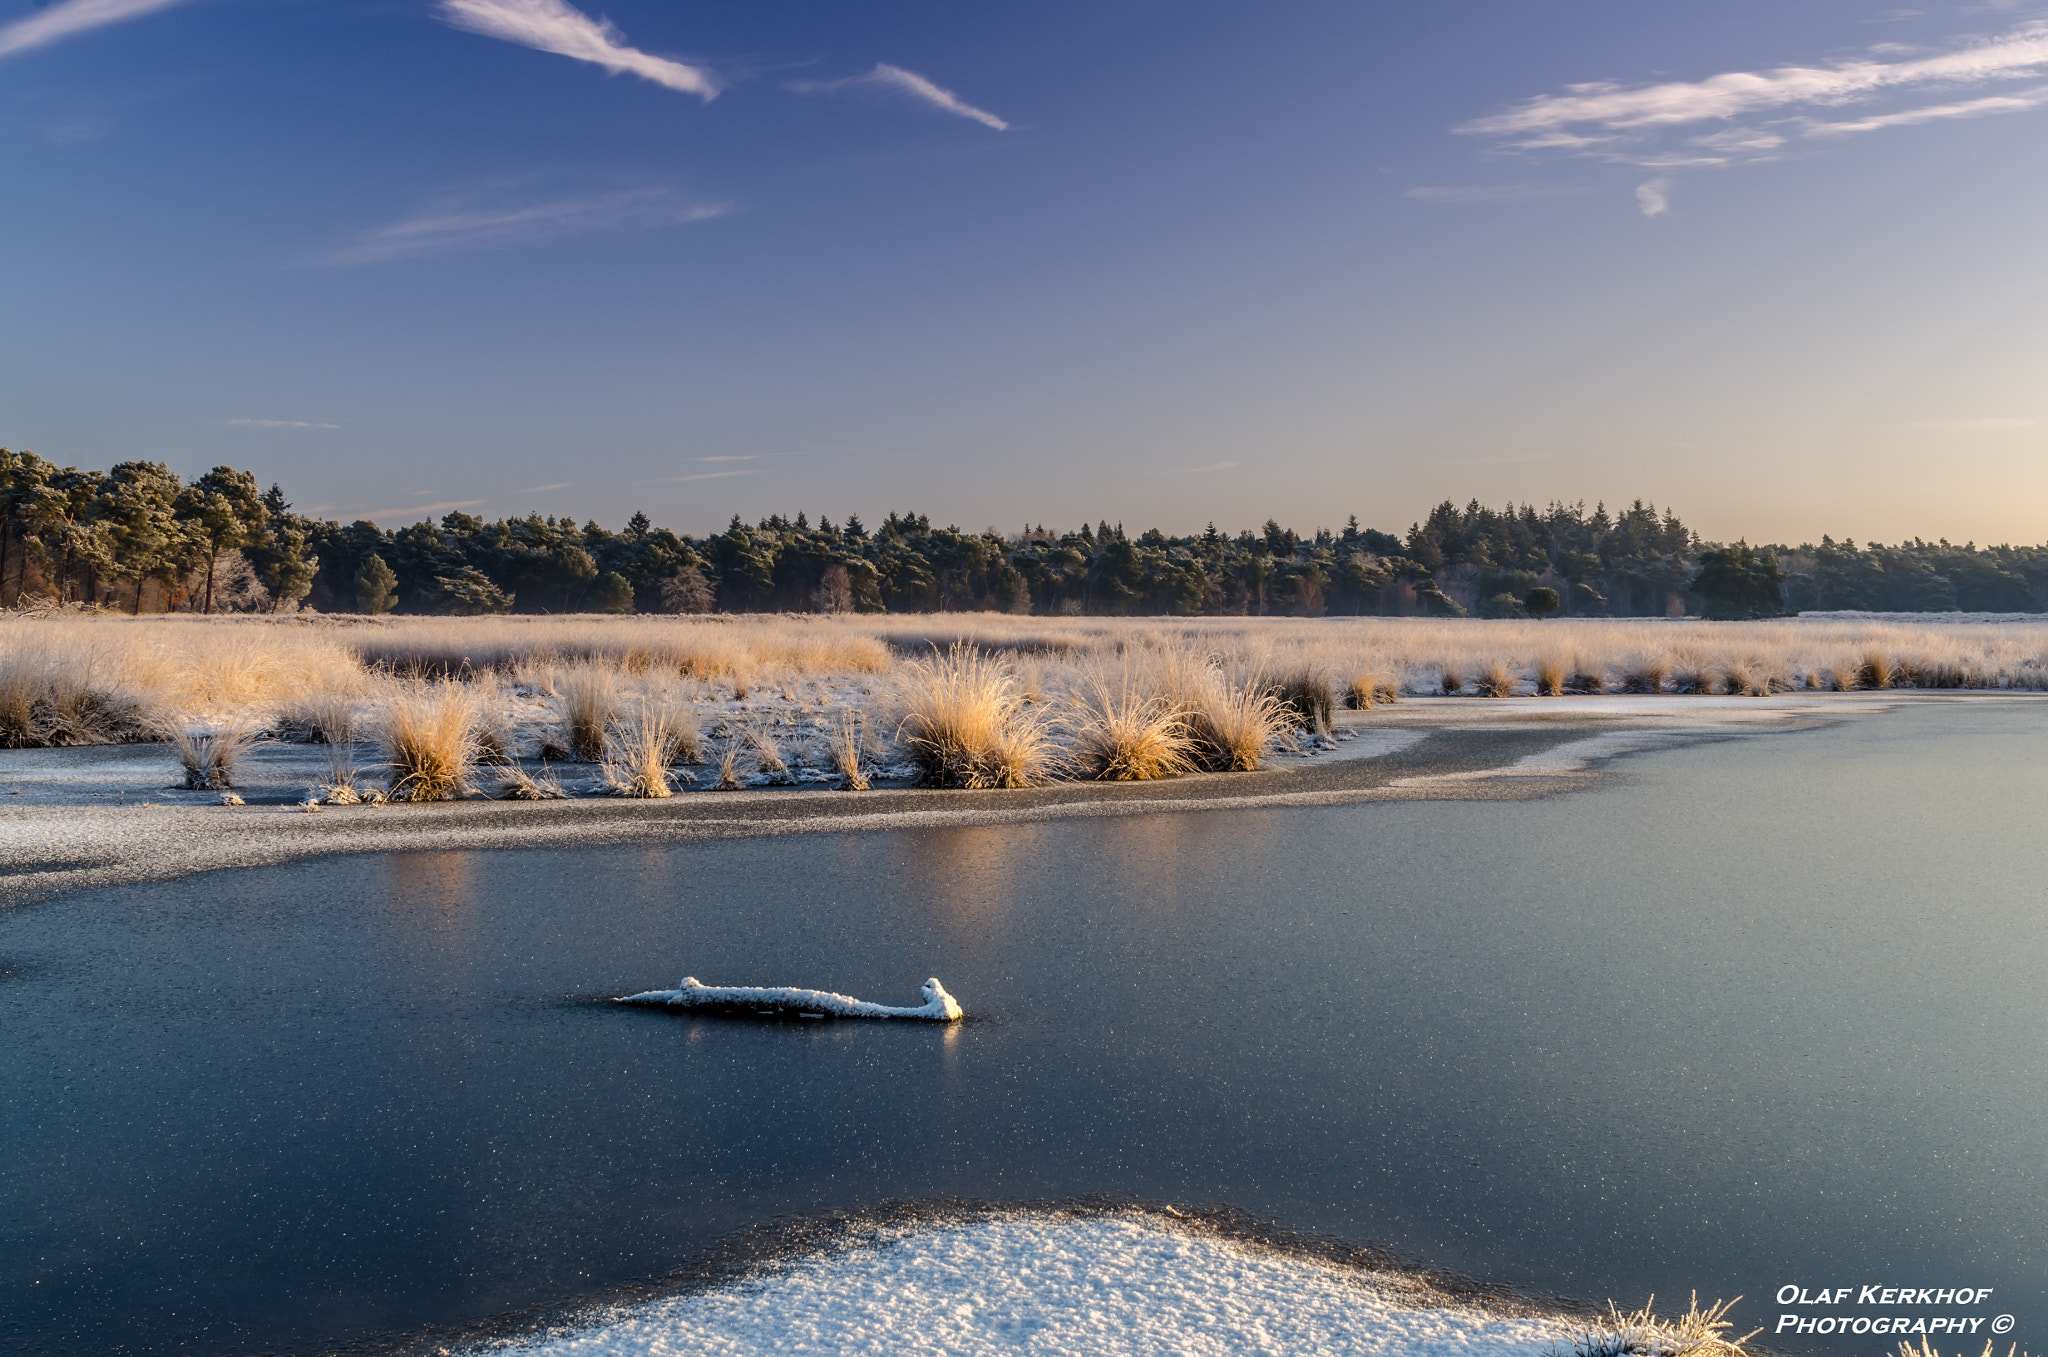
(1756, 1013)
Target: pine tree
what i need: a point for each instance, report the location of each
(376, 586)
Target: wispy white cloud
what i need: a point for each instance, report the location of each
(1990, 425)
(751, 456)
(278, 424)
(1651, 196)
(1764, 111)
(1198, 470)
(709, 475)
(1611, 106)
(553, 26)
(895, 79)
(72, 16)
(456, 224)
(537, 489)
(1484, 195)
(1968, 108)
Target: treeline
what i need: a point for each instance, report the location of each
(137, 538)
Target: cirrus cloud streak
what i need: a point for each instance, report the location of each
(894, 79)
(453, 226)
(560, 28)
(1766, 110)
(72, 16)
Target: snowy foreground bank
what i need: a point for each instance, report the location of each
(1049, 1285)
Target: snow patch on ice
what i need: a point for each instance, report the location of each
(1573, 756)
(1100, 1286)
(938, 1006)
(1350, 742)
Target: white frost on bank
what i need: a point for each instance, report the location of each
(938, 1006)
(1101, 1286)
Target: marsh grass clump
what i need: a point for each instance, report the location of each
(1690, 674)
(1021, 753)
(590, 696)
(21, 687)
(1122, 733)
(846, 748)
(1495, 679)
(1877, 670)
(83, 714)
(1586, 676)
(513, 783)
(1551, 673)
(768, 756)
(329, 719)
(1233, 724)
(642, 749)
(1309, 696)
(1645, 674)
(1450, 678)
(428, 732)
(965, 723)
(729, 765)
(210, 754)
(1696, 1333)
(57, 700)
(1361, 690)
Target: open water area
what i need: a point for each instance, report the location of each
(1746, 1014)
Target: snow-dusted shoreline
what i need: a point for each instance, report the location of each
(75, 819)
(1057, 1283)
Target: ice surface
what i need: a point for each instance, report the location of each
(1102, 1286)
(938, 1006)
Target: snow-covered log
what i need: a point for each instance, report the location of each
(938, 1005)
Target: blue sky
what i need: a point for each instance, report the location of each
(1780, 266)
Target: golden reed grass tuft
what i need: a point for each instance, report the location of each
(965, 723)
(1121, 732)
(644, 746)
(429, 737)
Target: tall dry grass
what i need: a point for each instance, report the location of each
(645, 745)
(1124, 730)
(1644, 1333)
(1495, 679)
(848, 746)
(68, 697)
(590, 699)
(1233, 723)
(428, 731)
(210, 755)
(964, 722)
(972, 699)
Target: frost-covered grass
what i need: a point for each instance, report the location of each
(965, 722)
(965, 700)
(1126, 730)
(429, 738)
(645, 745)
(1644, 1333)
(210, 754)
